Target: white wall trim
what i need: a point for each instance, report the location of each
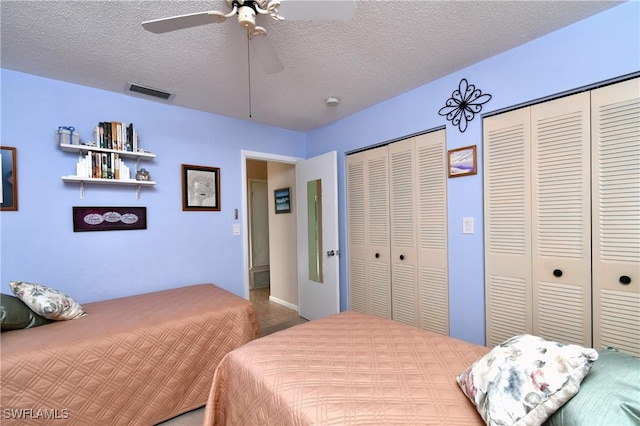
(283, 303)
(264, 156)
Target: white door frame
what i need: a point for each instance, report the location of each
(244, 156)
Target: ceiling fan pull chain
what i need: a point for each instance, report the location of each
(249, 69)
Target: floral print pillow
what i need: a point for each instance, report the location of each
(525, 379)
(47, 302)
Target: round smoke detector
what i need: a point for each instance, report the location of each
(332, 101)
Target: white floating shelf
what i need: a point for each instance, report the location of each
(108, 181)
(126, 182)
(83, 148)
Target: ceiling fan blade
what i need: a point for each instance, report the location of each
(266, 53)
(309, 10)
(164, 25)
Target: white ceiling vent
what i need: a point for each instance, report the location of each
(148, 91)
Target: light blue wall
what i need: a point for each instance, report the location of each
(178, 248)
(599, 48)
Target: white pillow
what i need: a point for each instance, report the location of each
(47, 302)
(525, 379)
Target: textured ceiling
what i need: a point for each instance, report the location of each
(385, 49)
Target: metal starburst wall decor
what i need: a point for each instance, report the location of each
(464, 103)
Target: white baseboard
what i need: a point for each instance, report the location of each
(283, 303)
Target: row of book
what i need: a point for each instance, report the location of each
(116, 135)
(102, 166)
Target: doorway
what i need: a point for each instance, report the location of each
(273, 253)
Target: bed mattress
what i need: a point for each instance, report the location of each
(345, 369)
(135, 360)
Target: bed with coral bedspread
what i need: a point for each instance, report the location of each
(134, 360)
(348, 368)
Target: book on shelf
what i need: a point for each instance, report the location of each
(95, 169)
(107, 135)
(109, 165)
(116, 135)
(98, 165)
(129, 145)
(103, 168)
(99, 135)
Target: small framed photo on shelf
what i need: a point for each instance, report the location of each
(200, 188)
(9, 179)
(282, 199)
(462, 161)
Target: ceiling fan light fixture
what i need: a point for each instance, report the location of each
(332, 101)
(247, 17)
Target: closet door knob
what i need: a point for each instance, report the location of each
(557, 273)
(377, 255)
(625, 280)
(402, 257)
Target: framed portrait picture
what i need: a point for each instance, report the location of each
(200, 188)
(462, 161)
(282, 200)
(9, 179)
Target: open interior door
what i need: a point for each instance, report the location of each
(318, 251)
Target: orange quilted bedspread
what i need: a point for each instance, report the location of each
(135, 360)
(345, 369)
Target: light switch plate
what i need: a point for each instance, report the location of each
(236, 229)
(467, 225)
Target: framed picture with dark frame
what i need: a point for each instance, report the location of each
(9, 179)
(462, 161)
(282, 198)
(200, 188)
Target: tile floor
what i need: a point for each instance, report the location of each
(270, 313)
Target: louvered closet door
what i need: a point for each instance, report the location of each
(368, 234)
(561, 160)
(507, 216)
(616, 216)
(431, 218)
(378, 232)
(404, 290)
(356, 235)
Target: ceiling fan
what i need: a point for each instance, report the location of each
(247, 10)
